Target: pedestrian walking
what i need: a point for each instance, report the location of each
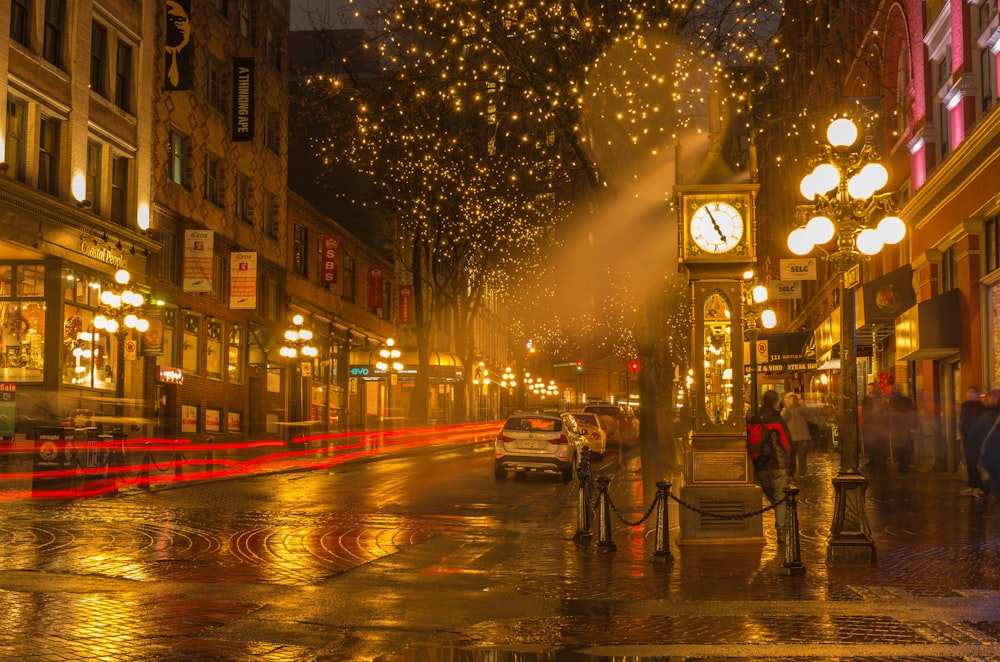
(769, 447)
(797, 418)
(903, 425)
(989, 455)
(968, 416)
(875, 428)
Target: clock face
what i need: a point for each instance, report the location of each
(716, 227)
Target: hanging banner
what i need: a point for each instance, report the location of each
(799, 269)
(406, 304)
(784, 289)
(376, 275)
(243, 99)
(177, 45)
(331, 256)
(152, 340)
(199, 246)
(243, 281)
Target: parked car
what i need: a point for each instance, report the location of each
(617, 424)
(591, 428)
(547, 443)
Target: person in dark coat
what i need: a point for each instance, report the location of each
(988, 429)
(968, 416)
(904, 422)
(771, 469)
(875, 428)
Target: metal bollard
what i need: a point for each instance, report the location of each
(662, 543)
(143, 478)
(604, 542)
(793, 560)
(583, 503)
(178, 468)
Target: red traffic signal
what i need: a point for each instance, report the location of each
(579, 365)
(633, 366)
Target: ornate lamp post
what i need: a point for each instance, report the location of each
(121, 311)
(845, 205)
(508, 382)
(391, 366)
(297, 342)
(755, 314)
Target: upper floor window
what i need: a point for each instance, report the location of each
(178, 158)
(48, 156)
(243, 198)
(14, 144)
(222, 6)
(123, 76)
(300, 250)
(170, 257)
(213, 349)
(235, 353)
(120, 169)
(271, 51)
(246, 18)
(271, 119)
(992, 241)
(213, 171)
(52, 37)
(213, 84)
(191, 344)
(20, 22)
(98, 57)
(270, 211)
(942, 80)
(94, 156)
(348, 269)
(949, 270)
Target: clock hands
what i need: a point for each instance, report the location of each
(715, 224)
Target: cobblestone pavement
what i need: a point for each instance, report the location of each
(79, 584)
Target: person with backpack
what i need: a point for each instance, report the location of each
(769, 447)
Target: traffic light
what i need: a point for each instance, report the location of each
(579, 366)
(633, 366)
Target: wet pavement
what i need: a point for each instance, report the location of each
(84, 581)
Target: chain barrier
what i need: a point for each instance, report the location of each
(604, 507)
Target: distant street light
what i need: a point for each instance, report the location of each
(121, 311)
(298, 342)
(756, 313)
(844, 205)
(391, 366)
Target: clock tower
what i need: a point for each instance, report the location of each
(716, 245)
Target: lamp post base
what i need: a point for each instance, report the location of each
(850, 536)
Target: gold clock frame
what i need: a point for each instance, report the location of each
(742, 252)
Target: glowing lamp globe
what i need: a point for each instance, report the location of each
(891, 229)
(759, 294)
(142, 326)
(842, 133)
(868, 242)
(769, 319)
(825, 177)
(799, 241)
(122, 276)
(820, 229)
(808, 187)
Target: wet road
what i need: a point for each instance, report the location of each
(421, 556)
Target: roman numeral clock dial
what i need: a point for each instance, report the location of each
(716, 227)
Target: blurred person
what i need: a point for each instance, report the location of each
(769, 447)
(971, 410)
(903, 423)
(988, 427)
(797, 418)
(874, 427)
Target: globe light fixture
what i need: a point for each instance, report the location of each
(756, 313)
(298, 343)
(120, 313)
(847, 207)
(391, 366)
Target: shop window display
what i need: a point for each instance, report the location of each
(22, 322)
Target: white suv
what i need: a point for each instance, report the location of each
(542, 443)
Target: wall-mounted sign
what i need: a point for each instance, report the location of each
(784, 289)
(799, 269)
(169, 375)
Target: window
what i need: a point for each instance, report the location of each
(943, 75)
(98, 54)
(300, 250)
(243, 198)
(987, 58)
(275, 300)
(168, 320)
(55, 23)
(213, 167)
(992, 241)
(22, 318)
(191, 341)
(271, 52)
(20, 22)
(120, 189)
(48, 156)
(271, 129)
(246, 19)
(237, 340)
(14, 144)
(220, 281)
(170, 258)
(221, 6)
(347, 267)
(213, 84)
(213, 349)
(93, 193)
(123, 76)
(178, 158)
(270, 212)
(387, 301)
(948, 278)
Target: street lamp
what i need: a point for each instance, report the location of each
(121, 311)
(845, 204)
(391, 366)
(297, 341)
(756, 313)
(508, 381)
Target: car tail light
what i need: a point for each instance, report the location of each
(560, 440)
(504, 439)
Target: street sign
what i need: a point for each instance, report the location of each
(306, 368)
(800, 269)
(131, 349)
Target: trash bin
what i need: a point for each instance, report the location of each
(53, 472)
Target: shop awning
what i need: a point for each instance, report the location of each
(930, 329)
(443, 366)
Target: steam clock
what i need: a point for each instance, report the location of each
(716, 227)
